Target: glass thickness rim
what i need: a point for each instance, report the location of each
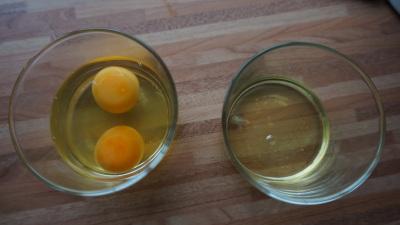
(147, 166)
(275, 193)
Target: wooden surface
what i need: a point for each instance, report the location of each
(203, 43)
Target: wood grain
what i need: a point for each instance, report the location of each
(203, 43)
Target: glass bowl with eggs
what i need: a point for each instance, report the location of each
(93, 112)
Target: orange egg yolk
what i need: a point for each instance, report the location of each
(115, 89)
(119, 149)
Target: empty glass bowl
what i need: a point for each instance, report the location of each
(303, 123)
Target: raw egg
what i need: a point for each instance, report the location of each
(115, 89)
(119, 149)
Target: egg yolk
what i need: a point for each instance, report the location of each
(119, 149)
(115, 89)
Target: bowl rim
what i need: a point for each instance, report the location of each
(271, 191)
(155, 158)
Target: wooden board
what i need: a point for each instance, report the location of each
(203, 43)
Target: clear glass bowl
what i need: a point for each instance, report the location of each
(303, 123)
(31, 104)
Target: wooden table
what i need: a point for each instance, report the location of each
(203, 43)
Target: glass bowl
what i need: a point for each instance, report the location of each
(303, 123)
(35, 92)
